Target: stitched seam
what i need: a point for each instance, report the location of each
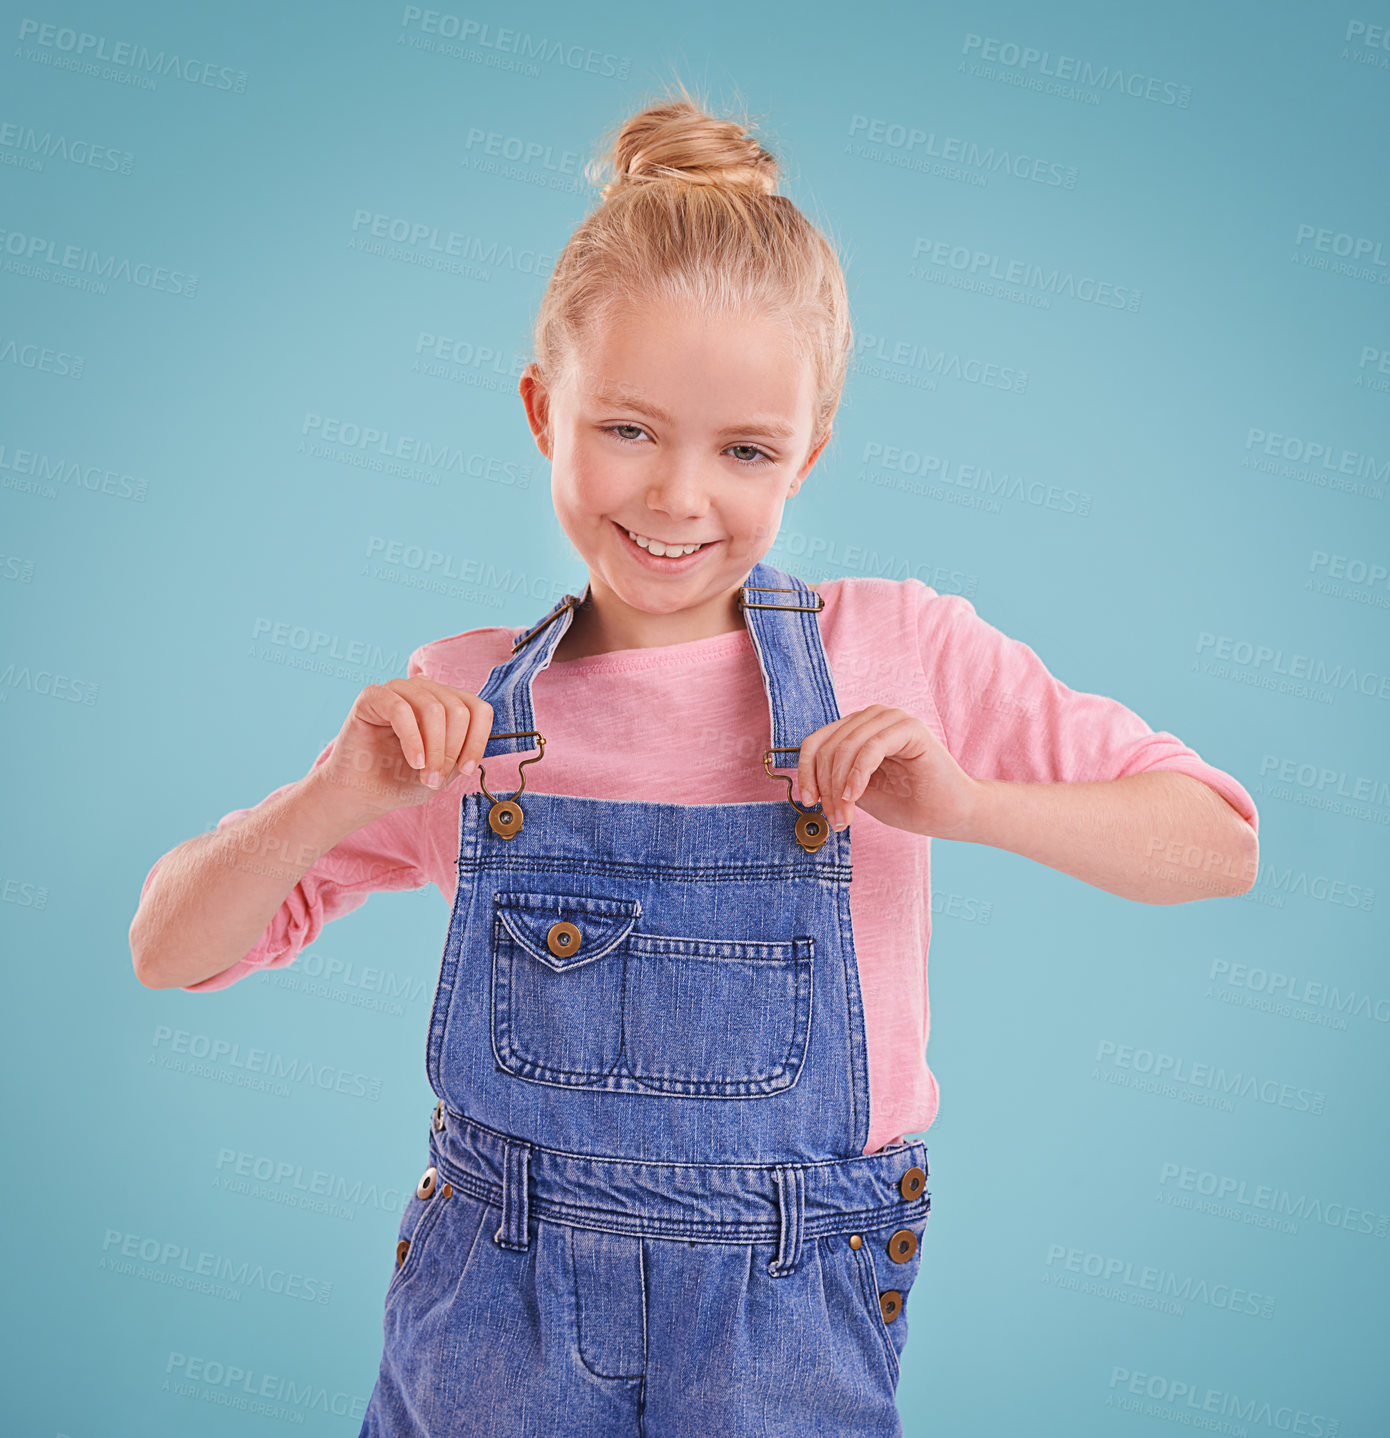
(477, 1231)
(407, 1270)
(820, 672)
(642, 1273)
(869, 1284)
(851, 973)
(531, 946)
(859, 1160)
(513, 1061)
(734, 1231)
(756, 1086)
(767, 872)
(801, 1027)
(579, 1328)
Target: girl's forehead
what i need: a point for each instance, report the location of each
(673, 359)
(640, 318)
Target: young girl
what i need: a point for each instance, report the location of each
(677, 1038)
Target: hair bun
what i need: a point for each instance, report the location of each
(676, 140)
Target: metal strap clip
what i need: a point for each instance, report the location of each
(778, 589)
(812, 827)
(505, 816)
(569, 601)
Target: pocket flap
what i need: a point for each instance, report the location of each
(602, 924)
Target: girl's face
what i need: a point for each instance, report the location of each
(684, 429)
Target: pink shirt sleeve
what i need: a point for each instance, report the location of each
(1005, 717)
(385, 854)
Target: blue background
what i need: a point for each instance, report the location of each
(177, 530)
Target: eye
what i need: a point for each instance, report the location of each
(757, 457)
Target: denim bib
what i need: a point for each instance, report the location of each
(647, 1046)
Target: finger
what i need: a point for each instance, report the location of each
(858, 757)
(817, 752)
(896, 739)
(869, 756)
(479, 731)
(433, 720)
(393, 708)
(834, 760)
(892, 737)
(457, 719)
(811, 745)
(811, 760)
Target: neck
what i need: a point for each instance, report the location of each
(602, 623)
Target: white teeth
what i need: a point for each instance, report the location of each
(655, 546)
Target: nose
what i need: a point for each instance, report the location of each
(677, 489)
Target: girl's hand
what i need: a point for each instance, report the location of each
(893, 766)
(405, 741)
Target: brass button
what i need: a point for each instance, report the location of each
(447, 1191)
(856, 1241)
(812, 830)
(912, 1182)
(439, 1117)
(505, 818)
(563, 939)
(425, 1188)
(902, 1245)
(402, 1248)
(890, 1303)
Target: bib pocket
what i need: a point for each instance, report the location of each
(581, 997)
(716, 1018)
(557, 985)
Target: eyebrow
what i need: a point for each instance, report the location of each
(757, 424)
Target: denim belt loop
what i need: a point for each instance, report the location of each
(791, 1209)
(516, 1208)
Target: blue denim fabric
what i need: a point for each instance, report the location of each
(647, 1153)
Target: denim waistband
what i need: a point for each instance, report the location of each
(782, 1202)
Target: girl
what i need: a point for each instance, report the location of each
(677, 1039)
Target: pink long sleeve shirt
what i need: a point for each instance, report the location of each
(688, 724)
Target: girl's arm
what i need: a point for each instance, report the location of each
(1077, 780)
(1006, 754)
(1160, 837)
(260, 888)
(207, 903)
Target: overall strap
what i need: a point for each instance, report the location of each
(780, 611)
(508, 686)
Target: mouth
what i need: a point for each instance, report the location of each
(663, 559)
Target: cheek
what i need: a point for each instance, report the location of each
(756, 518)
(582, 483)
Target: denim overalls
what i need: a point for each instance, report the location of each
(647, 1209)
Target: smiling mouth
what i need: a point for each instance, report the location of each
(660, 549)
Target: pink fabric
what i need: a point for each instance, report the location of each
(688, 723)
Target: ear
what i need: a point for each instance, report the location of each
(536, 397)
(809, 461)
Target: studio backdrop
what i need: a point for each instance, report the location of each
(1121, 291)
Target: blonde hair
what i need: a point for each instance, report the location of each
(691, 215)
